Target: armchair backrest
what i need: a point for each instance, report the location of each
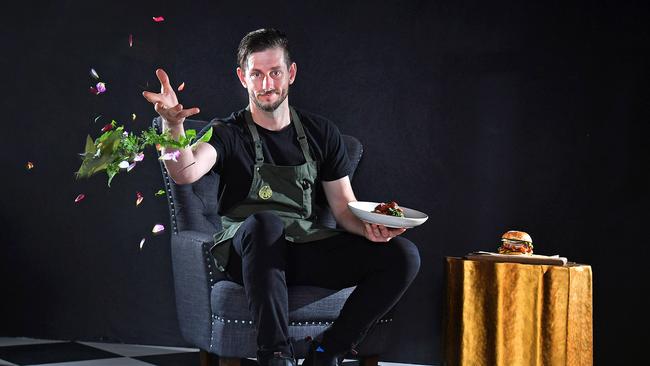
(195, 206)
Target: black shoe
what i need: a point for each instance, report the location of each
(319, 356)
(277, 359)
(265, 358)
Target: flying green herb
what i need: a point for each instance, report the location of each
(116, 149)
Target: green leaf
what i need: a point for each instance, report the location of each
(205, 138)
(90, 146)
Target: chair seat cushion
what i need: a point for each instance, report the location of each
(306, 303)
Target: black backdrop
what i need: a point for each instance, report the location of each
(525, 116)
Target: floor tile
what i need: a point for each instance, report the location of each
(33, 354)
(132, 350)
(122, 361)
(18, 341)
(174, 359)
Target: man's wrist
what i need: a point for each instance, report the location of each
(175, 129)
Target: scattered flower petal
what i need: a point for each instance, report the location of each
(130, 40)
(158, 19)
(138, 198)
(94, 74)
(142, 242)
(182, 86)
(158, 147)
(131, 166)
(101, 87)
(161, 192)
(123, 164)
(80, 197)
(107, 127)
(132, 116)
(97, 118)
(171, 156)
(157, 229)
(93, 90)
(29, 165)
(138, 157)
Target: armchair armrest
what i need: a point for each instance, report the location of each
(194, 276)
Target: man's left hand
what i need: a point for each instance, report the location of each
(380, 233)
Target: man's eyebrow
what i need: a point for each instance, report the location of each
(272, 69)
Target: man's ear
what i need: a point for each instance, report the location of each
(242, 77)
(293, 69)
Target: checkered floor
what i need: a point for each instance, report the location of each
(35, 352)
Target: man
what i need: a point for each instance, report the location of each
(272, 159)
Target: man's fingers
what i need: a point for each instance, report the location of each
(189, 112)
(164, 79)
(384, 231)
(151, 97)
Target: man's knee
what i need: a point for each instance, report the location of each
(264, 229)
(405, 256)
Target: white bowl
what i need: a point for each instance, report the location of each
(363, 210)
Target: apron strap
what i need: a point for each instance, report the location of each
(302, 138)
(259, 155)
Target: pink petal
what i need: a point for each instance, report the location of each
(139, 198)
(107, 127)
(123, 164)
(94, 74)
(79, 197)
(93, 90)
(142, 242)
(158, 19)
(158, 228)
(182, 86)
(130, 40)
(130, 167)
(171, 156)
(101, 87)
(138, 157)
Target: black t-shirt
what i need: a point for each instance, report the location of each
(236, 152)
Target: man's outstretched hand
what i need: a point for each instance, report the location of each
(381, 233)
(166, 104)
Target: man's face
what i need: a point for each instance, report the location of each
(267, 78)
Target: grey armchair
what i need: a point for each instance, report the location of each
(212, 311)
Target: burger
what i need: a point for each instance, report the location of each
(516, 243)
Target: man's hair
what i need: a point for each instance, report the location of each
(261, 40)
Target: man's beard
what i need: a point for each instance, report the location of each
(272, 106)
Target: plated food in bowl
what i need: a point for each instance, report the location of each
(365, 211)
(391, 208)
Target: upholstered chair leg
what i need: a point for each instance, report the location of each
(208, 359)
(229, 361)
(369, 360)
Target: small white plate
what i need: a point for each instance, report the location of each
(363, 210)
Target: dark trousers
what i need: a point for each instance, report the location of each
(265, 263)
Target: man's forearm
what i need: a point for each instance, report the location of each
(181, 170)
(350, 222)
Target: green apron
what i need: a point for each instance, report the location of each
(287, 191)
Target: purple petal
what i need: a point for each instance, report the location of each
(171, 156)
(158, 228)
